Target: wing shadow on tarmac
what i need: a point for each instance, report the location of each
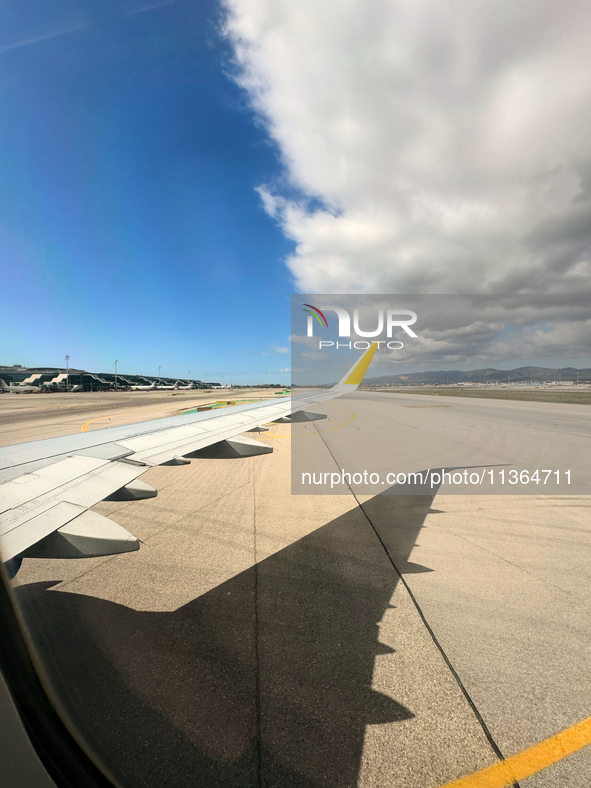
(172, 699)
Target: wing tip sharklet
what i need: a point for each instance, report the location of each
(355, 374)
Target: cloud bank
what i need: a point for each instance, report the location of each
(426, 147)
(453, 332)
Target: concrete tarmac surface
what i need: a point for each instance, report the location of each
(263, 639)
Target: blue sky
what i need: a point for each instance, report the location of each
(129, 223)
(165, 186)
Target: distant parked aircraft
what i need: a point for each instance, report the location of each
(19, 389)
(59, 388)
(160, 387)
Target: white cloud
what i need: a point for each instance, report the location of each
(298, 339)
(436, 147)
(479, 344)
(281, 350)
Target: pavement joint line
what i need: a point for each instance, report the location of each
(209, 503)
(257, 658)
(494, 746)
(446, 659)
(183, 517)
(65, 583)
(530, 761)
(505, 560)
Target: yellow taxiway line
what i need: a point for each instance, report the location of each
(526, 763)
(84, 427)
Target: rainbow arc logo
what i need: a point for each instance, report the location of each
(316, 315)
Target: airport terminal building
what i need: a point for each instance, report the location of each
(61, 378)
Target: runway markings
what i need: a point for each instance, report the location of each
(92, 421)
(344, 424)
(427, 406)
(84, 427)
(530, 761)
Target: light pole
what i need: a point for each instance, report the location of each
(159, 378)
(116, 362)
(67, 371)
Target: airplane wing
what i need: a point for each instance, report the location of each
(47, 487)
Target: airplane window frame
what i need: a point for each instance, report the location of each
(68, 764)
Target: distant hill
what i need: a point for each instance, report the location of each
(521, 374)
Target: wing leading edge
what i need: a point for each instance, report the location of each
(47, 487)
